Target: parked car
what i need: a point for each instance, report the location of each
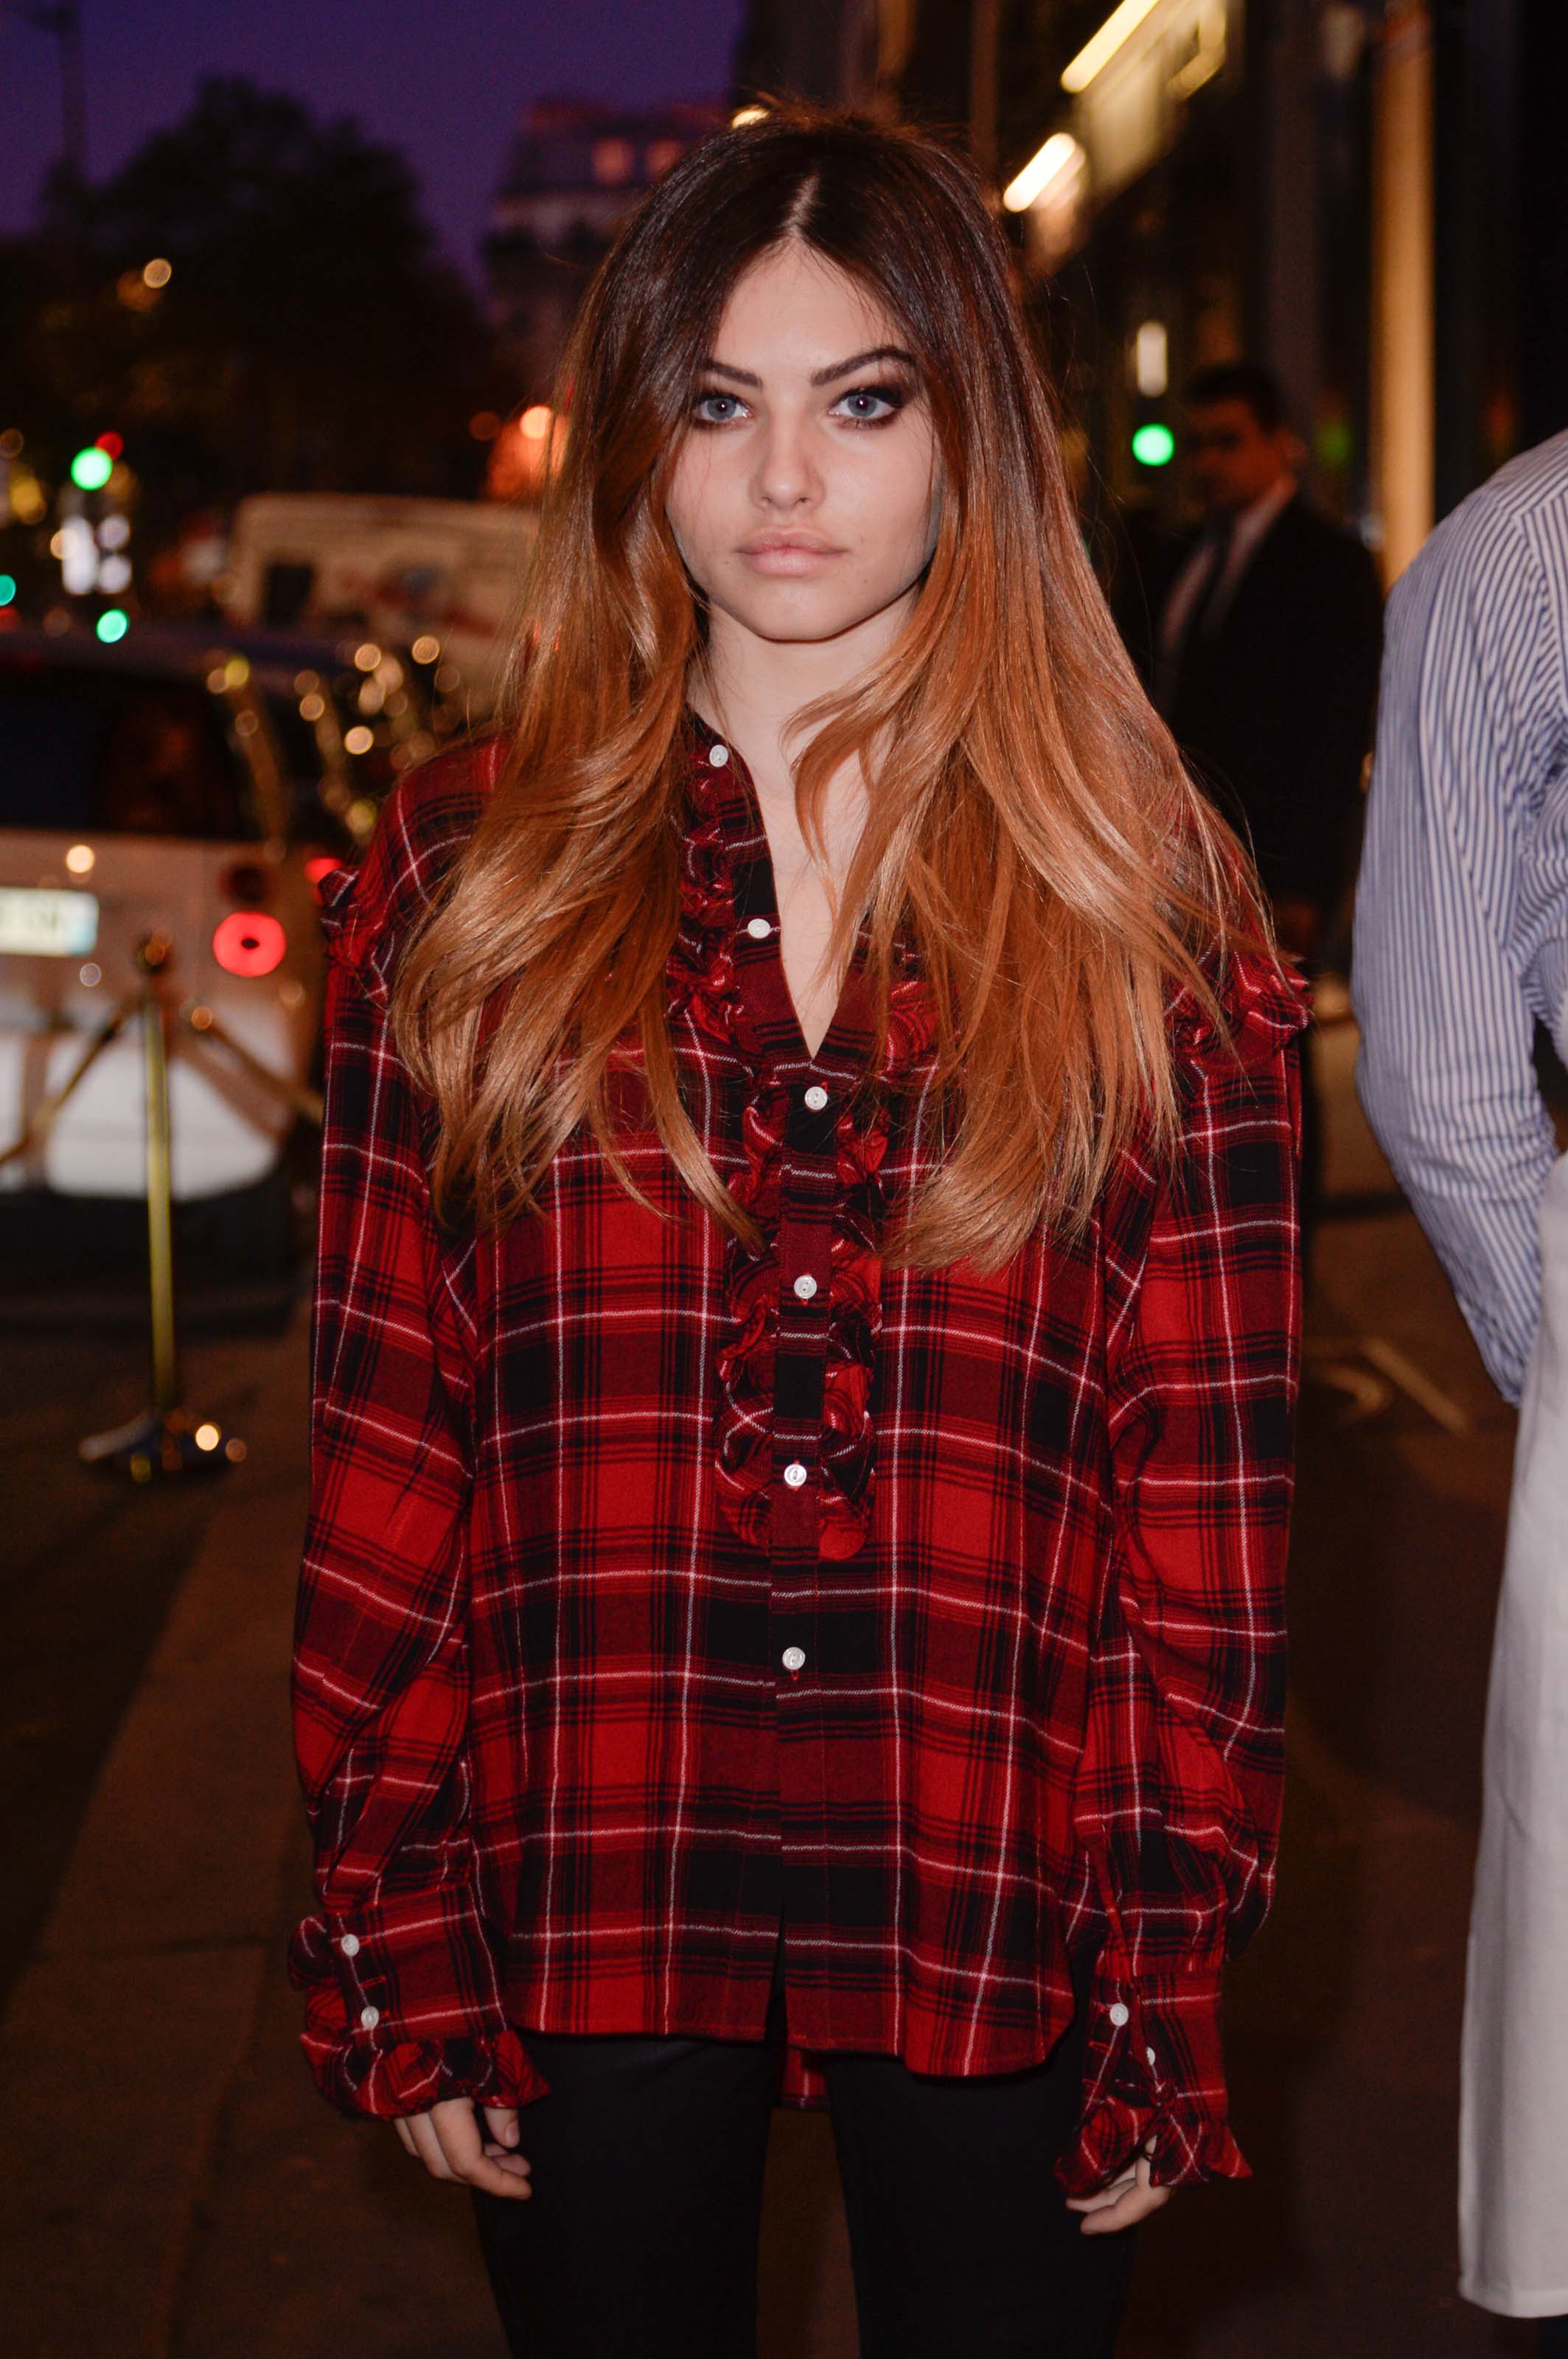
(350, 716)
(439, 581)
(143, 790)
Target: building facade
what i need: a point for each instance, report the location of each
(1365, 195)
(574, 172)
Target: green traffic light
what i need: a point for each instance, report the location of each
(1154, 445)
(112, 624)
(91, 469)
(7, 588)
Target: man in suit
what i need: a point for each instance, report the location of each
(1261, 651)
(1265, 648)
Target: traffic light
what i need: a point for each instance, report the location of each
(1153, 444)
(92, 467)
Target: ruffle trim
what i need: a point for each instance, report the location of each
(746, 1362)
(703, 983)
(1265, 1004)
(409, 2076)
(1189, 2146)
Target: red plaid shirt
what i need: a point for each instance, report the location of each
(655, 1591)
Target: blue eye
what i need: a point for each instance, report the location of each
(701, 406)
(889, 400)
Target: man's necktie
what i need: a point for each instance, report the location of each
(1196, 627)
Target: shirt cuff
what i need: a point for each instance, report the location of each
(1152, 2069)
(403, 2009)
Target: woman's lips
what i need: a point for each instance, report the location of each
(789, 556)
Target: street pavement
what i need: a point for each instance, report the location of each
(178, 2192)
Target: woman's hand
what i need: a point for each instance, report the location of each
(1122, 2204)
(447, 2141)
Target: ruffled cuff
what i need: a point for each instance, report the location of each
(1152, 2069)
(402, 2010)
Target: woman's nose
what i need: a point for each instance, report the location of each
(787, 471)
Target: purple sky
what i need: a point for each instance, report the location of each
(443, 82)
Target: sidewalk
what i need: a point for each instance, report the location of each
(182, 2193)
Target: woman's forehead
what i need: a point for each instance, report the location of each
(795, 309)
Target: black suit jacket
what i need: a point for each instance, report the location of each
(1275, 710)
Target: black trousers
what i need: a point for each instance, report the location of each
(640, 2239)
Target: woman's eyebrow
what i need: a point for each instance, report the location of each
(822, 375)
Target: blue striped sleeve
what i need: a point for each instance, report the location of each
(1445, 988)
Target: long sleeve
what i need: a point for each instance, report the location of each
(403, 2000)
(1461, 914)
(1179, 1791)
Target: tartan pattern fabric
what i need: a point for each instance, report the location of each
(657, 1592)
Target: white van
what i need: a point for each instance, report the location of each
(141, 792)
(416, 573)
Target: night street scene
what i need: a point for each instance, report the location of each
(609, 1751)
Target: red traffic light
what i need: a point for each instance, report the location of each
(112, 445)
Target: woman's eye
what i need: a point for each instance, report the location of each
(871, 404)
(716, 408)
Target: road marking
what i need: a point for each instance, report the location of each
(1416, 1385)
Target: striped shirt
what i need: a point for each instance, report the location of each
(1461, 911)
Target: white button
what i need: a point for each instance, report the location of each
(759, 929)
(794, 1658)
(1119, 2015)
(805, 1286)
(369, 2017)
(349, 1945)
(794, 1475)
(1149, 2053)
(816, 1097)
(718, 756)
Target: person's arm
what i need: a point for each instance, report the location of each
(403, 2004)
(1179, 1787)
(1445, 1072)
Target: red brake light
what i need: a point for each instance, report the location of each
(249, 942)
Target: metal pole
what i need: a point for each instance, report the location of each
(166, 1440)
(160, 1221)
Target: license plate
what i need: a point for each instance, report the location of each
(37, 923)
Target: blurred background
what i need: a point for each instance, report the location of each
(282, 294)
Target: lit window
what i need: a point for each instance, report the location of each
(615, 161)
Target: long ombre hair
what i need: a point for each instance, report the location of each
(1030, 821)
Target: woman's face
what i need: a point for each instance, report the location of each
(806, 494)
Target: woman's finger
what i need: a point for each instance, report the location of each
(456, 2127)
(1132, 2210)
(501, 2125)
(1112, 2193)
(428, 2146)
(404, 2137)
(1137, 2203)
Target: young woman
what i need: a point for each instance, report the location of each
(807, 1336)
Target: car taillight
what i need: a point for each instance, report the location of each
(249, 942)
